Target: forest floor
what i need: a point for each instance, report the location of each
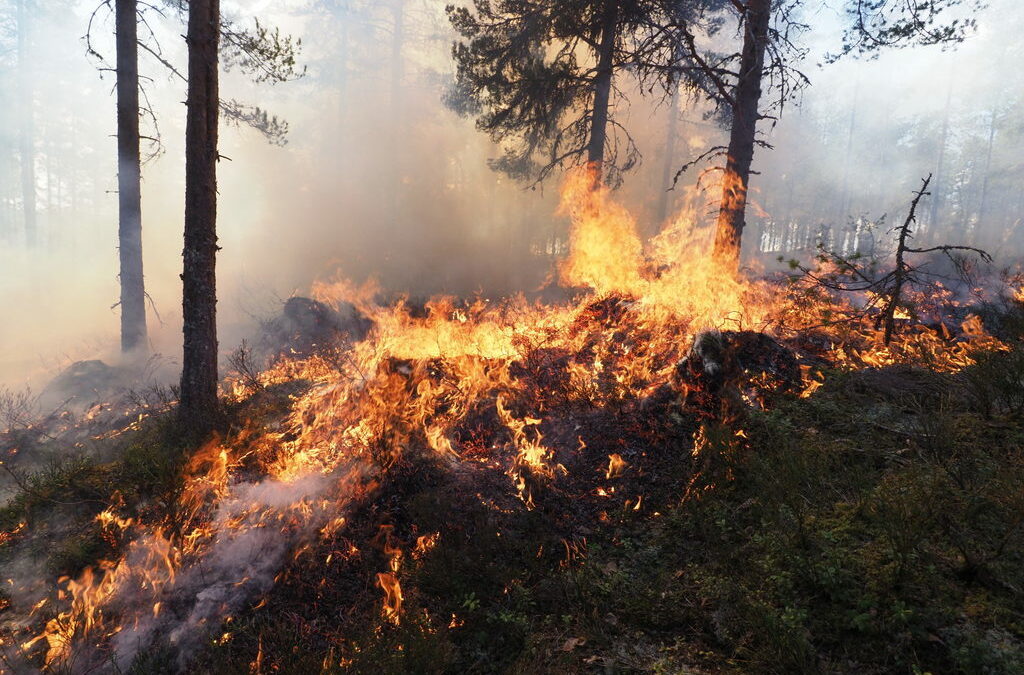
(873, 526)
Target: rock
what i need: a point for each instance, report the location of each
(554, 293)
(723, 366)
(84, 382)
(607, 313)
(306, 325)
(759, 354)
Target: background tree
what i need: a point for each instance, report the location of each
(886, 291)
(9, 170)
(49, 188)
(262, 52)
(26, 130)
(129, 177)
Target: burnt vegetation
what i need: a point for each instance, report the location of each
(662, 460)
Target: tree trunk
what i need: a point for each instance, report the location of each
(602, 90)
(343, 74)
(199, 299)
(26, 133)
(746, 98)
(129, 190)
(844, 201)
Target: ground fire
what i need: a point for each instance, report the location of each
(552, 337)
(538, 393)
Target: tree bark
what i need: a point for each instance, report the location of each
(199, 407)
(602, 90)
(26, 132)
(746, 99)
(129, 173)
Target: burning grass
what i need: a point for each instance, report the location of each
(490, 486)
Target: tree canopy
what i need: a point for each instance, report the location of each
(530, 72)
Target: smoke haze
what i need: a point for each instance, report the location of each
(378, 179)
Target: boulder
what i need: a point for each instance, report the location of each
(724, 366)
(306, 325)
(84, 382)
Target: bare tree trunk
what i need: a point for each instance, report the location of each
(396, 196)
(199, 299)
(602, 90)
(73, 184)
(900, 275)
(26, 132)
(746, 99)
(844, 201)
(48, 170)
(129, 172)
(344, 104)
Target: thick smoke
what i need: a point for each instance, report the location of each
(168, 600)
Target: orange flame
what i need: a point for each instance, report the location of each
(616, 466)
(392, 608)
(410, 384)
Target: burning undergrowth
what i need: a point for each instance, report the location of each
(539, 422)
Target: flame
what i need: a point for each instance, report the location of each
(392, 596)
(616, 466)
(607, 253)
(425, 543)
(252, 502)
(7, 536)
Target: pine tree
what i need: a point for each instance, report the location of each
(768, 52)
(199, 406)
(541, 77)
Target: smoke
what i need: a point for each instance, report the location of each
(255, 528)
(171, 594)
(869, 130)
(379, 179)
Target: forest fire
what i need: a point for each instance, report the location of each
(511, 337)
(418, 384)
